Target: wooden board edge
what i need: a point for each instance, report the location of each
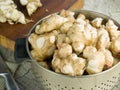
(77, 5)
(7, 43)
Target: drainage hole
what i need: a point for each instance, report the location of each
(98, 86)
(49, 84)
(65, 86)
(73, 88)
(91, 88)
(80, 87)
(58, 85)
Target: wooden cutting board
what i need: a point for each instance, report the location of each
(49, 6)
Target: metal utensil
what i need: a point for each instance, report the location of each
(4, 72)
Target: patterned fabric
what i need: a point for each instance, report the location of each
(22, 73)
(2, 83)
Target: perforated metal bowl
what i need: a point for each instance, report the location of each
(54, 81)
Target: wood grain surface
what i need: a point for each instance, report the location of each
(8, 33)
(49, 6)
(7, 43)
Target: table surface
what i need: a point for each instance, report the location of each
(20, 30)
(8, 33)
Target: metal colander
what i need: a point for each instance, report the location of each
(52, 81)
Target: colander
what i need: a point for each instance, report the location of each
(50, 80)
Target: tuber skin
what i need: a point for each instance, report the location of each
(80, 45)
(10, 14)
(47, 25)
(43, 45)
(71, 65)
(96, 60)
(31, 5)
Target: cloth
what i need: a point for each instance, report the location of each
(22, 72)
(107, 7)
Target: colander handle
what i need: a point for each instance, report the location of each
(20, 52)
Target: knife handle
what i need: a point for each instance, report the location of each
(10, 82)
